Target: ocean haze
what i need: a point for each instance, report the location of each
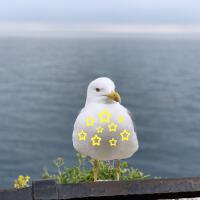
(59, 30)
(43, 84)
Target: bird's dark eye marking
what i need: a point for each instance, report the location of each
(97, 89)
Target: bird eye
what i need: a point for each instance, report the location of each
(97, 89)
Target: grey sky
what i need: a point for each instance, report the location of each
(92, 17)
(102, 11)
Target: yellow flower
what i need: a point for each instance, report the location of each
(82, 135)
(120, 119)
(21, 182)
(89, 121)
(112, 127)
(113, 142)
(104, 116)
(96, 140)
(125, 135)
(99, 129)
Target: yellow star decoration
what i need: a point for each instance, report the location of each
(104, 116)
(125, 135)
(113, 142)
(99, 129)
(112, 127)
(120, 119)
(96, 140)
(82, 135)
(89, 121)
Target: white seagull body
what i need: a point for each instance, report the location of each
(104, 129)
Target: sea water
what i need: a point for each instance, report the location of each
(43, 84)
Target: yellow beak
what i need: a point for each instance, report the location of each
(114, 96)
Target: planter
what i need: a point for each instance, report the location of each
(141, 189)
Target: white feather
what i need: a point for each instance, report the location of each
(95, 103)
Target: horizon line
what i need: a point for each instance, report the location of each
(62, 29)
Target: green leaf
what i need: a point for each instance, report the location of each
(80, 173)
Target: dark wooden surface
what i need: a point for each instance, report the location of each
(13, 194)
(144, 189)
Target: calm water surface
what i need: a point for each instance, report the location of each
(43, 86)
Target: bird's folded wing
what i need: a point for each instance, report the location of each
(132, 117)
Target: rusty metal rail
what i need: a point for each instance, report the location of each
(143, 189)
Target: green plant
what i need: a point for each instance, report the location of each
(81, 173)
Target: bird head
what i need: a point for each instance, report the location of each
(102, 90)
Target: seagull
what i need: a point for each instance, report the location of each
(104, 129)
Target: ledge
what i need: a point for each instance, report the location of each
(140, 189)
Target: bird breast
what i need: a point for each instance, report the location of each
(105, 132)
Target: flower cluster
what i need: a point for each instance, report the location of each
(21, 182)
